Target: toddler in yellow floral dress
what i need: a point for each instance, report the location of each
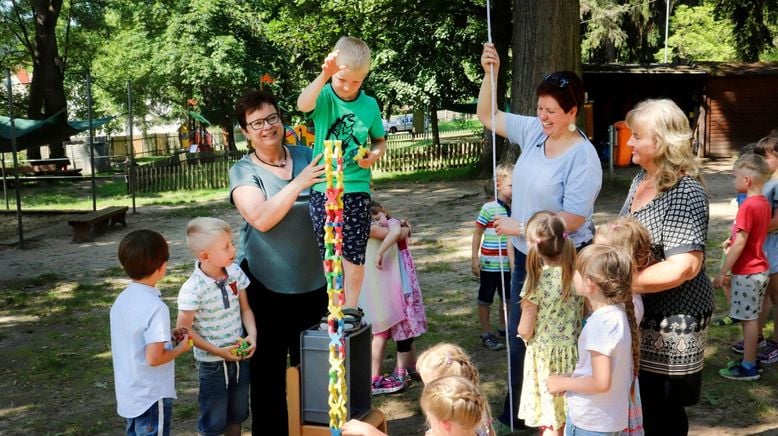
(550, 320)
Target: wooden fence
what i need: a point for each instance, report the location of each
(214, 172)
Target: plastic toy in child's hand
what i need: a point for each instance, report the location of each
(243, 346)
(178, 335)
(361, 153)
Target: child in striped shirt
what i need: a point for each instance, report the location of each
(492, 257)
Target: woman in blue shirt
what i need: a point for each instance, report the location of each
(558, 170)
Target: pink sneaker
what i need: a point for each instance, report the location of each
(384, 384)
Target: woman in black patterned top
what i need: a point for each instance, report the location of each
(668, 198)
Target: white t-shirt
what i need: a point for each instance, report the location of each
(138, 318)
(606, 332)
(217, 325)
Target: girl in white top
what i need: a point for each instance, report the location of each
(608, 349)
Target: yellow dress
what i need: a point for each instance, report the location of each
(552, 350)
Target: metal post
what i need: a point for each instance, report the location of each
(91, 138)
(131, 148)
(667, 25)
(5, 185)
(17, 186)
(611, 141)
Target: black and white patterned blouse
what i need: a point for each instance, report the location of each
(675, 323)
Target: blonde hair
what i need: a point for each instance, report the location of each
(353, 53)
(669, 128)
(610, 268)
(630, 234)
(202, 231)
(503, 170)
(754, 165)
(547, 237)
(455, 399)
(446, 359)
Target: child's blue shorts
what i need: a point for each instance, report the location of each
(224, 395)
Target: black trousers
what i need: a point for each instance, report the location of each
(280, 319)
(664, 399)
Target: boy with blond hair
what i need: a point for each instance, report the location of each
(213, 305)
(492, 257)
(141, 348)
(747, 262)
(341, 111)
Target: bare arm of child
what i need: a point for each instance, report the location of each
(511, 256)
(377, 150)
(185, 319)
(475, 251)
(597, 383)
(391, 238)
(306, 102)
(249, 323)
(157, 354)
(735, 249)
(355, 427)
(529, 314)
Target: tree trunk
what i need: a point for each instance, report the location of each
(47, 91)
(546, 38)
(502, 27)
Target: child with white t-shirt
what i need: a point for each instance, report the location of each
(214, 306)
(141, 348)
(608, 350)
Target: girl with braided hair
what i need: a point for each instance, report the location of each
(454, 406)
(598, 391)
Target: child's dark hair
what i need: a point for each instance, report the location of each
(547, 237)
(610, 268)
(376, 207)
(142, 252)
(768, 144)
(251, 101)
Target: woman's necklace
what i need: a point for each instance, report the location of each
(282, 164)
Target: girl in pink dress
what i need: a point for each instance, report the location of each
(414, 322)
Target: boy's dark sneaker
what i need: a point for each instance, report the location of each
(737, 347)
(769, 353)
(737, 362)
(501, 332)
(491, 342)
(738, 372)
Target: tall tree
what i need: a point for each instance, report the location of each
(751, 19)
(546, 38)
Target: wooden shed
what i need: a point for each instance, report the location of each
(740, 106)
(728, 104)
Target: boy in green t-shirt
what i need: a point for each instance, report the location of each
(341, 111)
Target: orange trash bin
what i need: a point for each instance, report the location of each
(622, 152)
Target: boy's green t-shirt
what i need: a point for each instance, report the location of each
(352, 122)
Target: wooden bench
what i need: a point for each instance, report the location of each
(297, 427)
(87, 226)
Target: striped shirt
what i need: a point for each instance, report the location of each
(492, 244)
(217, 325)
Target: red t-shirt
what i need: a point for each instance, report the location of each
(753, 217)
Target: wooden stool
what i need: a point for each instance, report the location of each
(375, 417)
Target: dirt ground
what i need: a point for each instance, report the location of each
(441, 214)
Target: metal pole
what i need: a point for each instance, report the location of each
(611, 141)
(5, 185)
(91, 138)
(17, 186)
(667, 25)
(131, 148)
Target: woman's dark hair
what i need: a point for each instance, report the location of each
(251, 101)
(565, 87)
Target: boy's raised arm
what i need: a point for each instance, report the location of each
(306, 102)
